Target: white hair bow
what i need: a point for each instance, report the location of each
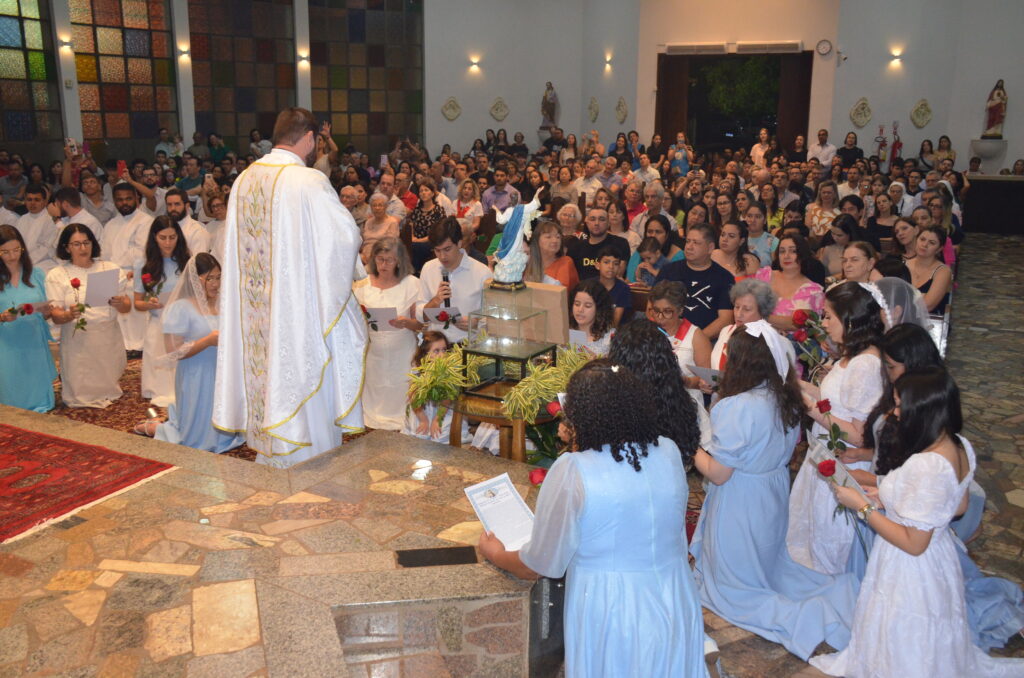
(761, 328)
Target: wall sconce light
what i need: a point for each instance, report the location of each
(474, 63)
(897, 57)
(607, 61)
(65, 43)
(304, 60)
(183, 52)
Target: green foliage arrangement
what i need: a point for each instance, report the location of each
(542, 383)
(441, 378)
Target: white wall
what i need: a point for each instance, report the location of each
(693, 21)
(521, 45)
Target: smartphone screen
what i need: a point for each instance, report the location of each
(121, 167)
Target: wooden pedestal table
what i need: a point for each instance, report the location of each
(511, 432)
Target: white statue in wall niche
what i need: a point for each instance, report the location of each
(995, 112)
(549, 107)
(593, 109)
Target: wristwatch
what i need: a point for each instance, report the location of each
(865, 512)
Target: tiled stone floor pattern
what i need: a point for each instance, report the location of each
(224, 568)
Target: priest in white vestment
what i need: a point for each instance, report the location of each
(292, 335)
(39, 232)
(124, 242)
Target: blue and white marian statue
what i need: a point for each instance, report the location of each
(513, 251)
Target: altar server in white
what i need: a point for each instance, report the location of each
(292, 336)
(124, 242)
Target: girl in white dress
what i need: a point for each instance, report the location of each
(817, 538)
(92, 357)
(425, 422)
(591, 312)
(911, 617)
(390, 285)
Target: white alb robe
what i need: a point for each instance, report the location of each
(124, 241)
(7, 217)
(40, 235)
(84, 218)
(196, 236)
(292, 336)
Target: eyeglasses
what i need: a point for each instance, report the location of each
(16, 252)
(665, 312)
(81, 243)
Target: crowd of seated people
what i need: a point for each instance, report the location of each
(719, 251)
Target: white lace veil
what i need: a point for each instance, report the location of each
(189, 290)
(905, 304)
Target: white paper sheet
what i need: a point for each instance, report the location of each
(502, 511)
(578, 338)
(432, 313)
(379, 317)
(817, 453)
(101, 286)
(710, 376)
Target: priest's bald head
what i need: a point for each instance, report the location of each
(295, 131)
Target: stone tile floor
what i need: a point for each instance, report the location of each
(224, 569)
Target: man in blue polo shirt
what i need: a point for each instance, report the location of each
(707, 284)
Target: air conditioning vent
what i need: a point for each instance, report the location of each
(784, 47)
(697, 48)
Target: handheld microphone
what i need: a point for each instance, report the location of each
(444, 277)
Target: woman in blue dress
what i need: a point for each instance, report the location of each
(190, 335)
(154, 279)
(743, 571)
(26, 364)
(611, 517)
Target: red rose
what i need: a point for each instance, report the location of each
(537, 475)
(146, 278)
(800, 317)
(827, 468)
(28, 309)
(824, 406)
(443, 316)
(800, 336)
(75, 283)
(554, 408)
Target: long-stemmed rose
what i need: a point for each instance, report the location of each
(79, 306)
(151, 291)
(24, 309)
(827, 468)
(447, 318)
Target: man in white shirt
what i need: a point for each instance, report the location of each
(7, 217)
(823, 150)
(67, 209)
(852, 184)
(466, 278)
(654, 199)
(37, 229)
(589, 183)
(196, 236)
(386, 187)
(646, 173)
(219, 209)
(124, 242)
(780, 180)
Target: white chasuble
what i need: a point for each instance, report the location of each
(292, 336)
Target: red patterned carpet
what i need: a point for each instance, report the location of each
(44, 477)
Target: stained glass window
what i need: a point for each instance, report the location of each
(29, 109)
(125, 68)
(243, 66)
(367, 70)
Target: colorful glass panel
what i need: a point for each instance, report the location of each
(124, 45)
(12, 64)
(243, 66)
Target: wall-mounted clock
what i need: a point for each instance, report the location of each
(824, 47)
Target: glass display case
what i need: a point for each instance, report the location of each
(510, 331)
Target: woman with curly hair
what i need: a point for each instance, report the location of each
(611, 517)
(641, 347)
(742, 569)
(853, 321)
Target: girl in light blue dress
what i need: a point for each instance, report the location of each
(190, 340)
(611, 518)
(743, 571)
(26, 364)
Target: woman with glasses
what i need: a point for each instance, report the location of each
(26, 364)
(390, 285)
(92, 355)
